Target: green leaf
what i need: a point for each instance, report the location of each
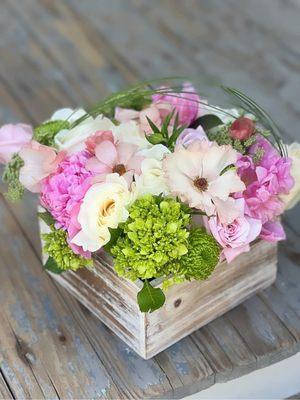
(207, 122)
(114, 236)
(155, 138)
(47, 218)
(154, 128)
(150, 298)
(51, 265)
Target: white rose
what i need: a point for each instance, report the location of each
(72, 140)
(129, 132)
(104, 206)
(291, 199)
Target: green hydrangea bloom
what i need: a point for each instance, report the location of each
(222, 137)
(56, 245)
(154, 239)
(46, 132)
(202, 256)
(11, 177)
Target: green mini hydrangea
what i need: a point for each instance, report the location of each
(11, 177)
(46, 132)
(222, 137)
(202, 256)
(56, 246)
(154, 239)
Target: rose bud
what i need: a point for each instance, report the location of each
(242, 128)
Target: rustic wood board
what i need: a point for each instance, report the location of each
(65, 53)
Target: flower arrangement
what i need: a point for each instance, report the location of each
(165, 182)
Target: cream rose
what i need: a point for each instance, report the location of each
(291, 199)
(72, 140)
(104, 206)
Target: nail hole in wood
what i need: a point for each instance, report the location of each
(177, 302)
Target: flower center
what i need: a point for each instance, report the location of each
(119, 169)
(201, 184)
(105, 210)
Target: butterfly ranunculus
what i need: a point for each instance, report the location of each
(199, 175)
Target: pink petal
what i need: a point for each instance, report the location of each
(106, 152)
(94, 165)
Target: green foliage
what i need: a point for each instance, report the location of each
(56, 245)
(207, 122)
(222, 137)
(150, 298)
(154, 238)
(47, 218)
(167, 134)
(11, 177)
(202, 256)
(51, 265)
(46, 132)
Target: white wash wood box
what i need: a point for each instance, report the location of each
(188, 306)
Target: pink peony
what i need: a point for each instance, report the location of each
(113, 157)
(12, 139)
(236, 236)
(39, 162)
(272, 231)
(242, 128)
(185, 103)
(189, 135)
(66, 187)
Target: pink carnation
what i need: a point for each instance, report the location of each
(63, 191)
(236, 236)
(185, 103)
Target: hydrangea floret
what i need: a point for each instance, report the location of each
(11, 177)
(57, 247)
(154, 238)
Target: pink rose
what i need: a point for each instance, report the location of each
(242, 128)
(97, 138)
(236, 236)
(272, 231)
(39, 162)
(12, 139)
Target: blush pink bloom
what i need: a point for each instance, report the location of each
(152, 112)
(97, 138)
(113, 157)
(236, 236)
(12, 139)
(196, 175)
(272, 231)
(185, 103)
(39, 162)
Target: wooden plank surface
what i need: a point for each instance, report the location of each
(68, 52)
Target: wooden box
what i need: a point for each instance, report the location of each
(188, 306)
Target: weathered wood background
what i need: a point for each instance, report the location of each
(69, 52)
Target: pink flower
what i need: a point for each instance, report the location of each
(97, 138)
(189, 135)
(242, 128)
(236, 236)
(196, 175)
(185, 103)
(113, 157)
(39, 162)
(152, 112)
(12, 139)
(63, 190)
(272, 231)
